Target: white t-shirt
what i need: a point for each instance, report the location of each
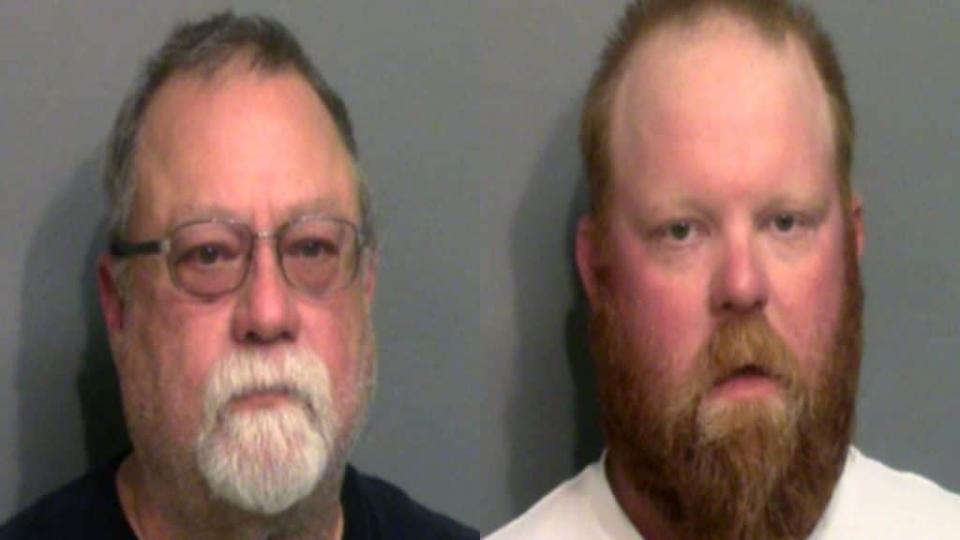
(871, 501)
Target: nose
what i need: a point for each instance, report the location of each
(740, 282)
(265, 312)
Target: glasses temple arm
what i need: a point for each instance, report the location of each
(119, 248)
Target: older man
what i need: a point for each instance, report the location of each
(720, 260)
(237, 298)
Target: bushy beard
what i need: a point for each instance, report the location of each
(264, 461)
(754, 469)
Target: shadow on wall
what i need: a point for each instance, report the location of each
(542, 409)
(64, 360)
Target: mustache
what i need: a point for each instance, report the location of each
(288, 388)
(746, 345)
(298, 373)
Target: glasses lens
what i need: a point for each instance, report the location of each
(319, 255)
(209, 258)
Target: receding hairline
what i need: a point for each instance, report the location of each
(682, 34)
(241, 64)
(697, 23)
(775, 24)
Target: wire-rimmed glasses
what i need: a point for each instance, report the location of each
(209, 258)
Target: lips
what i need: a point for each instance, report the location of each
(747, 381)
(748, 371)
(264, 397)
(253, 393)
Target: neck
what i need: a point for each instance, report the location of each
(157, 510)
(791, 509)
(641, 511)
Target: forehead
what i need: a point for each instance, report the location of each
(255, 146)
(717, 88)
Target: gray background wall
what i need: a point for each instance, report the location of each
(466, 115)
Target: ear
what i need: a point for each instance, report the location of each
(588, 253)
(371, 263)
(856, 221)
(111, 299)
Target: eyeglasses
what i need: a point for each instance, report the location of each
(210, 258)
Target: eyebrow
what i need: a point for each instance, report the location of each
(193, 212)
(816, 202)
(683, 205)
(320, 206)
(687, 204)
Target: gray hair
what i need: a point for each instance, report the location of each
(206, 46)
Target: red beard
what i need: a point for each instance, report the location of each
(750, 470)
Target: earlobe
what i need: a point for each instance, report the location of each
(587, 252)
(111, 299)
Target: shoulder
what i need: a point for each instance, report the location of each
(86, 508)
(873, 500)
(386, 511)
(581, 507)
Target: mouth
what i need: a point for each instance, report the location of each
(747, 382)
(257, 399)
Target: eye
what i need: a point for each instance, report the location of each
(790, 224)
(679, 231)
(312, 248)
(207, 255)
(784, 222)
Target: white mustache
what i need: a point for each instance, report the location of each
(299, 373)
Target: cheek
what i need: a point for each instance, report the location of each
(336, 331)
(808, 301)
(663, 310)
(174, 345)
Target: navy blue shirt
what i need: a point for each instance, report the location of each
(89, 508)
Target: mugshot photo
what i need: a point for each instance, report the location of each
(447, 269)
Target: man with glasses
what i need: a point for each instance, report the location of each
(237, 296)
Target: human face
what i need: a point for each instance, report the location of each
(723, 277)
(261, 149)
(724, 201)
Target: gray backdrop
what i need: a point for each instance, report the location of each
(466, 114)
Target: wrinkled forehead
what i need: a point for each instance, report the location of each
(239, 140)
